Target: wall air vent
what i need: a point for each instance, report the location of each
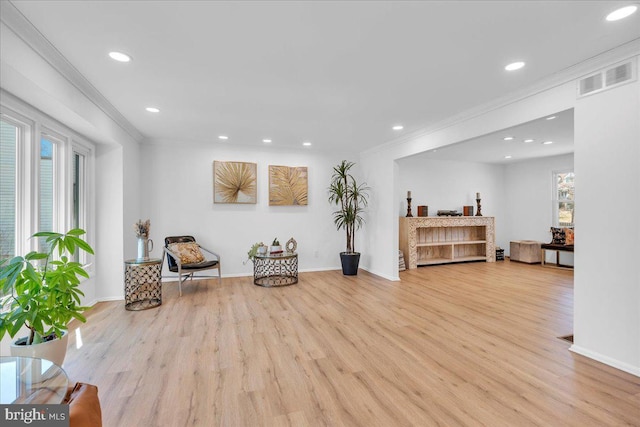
(607, 79)
(618, 74)
(590, 84)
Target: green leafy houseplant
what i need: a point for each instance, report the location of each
(254, 250)
(351, 199)
(41, 290)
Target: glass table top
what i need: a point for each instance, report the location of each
(277, 256)
(26, 380)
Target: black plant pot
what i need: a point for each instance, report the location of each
(350, 263)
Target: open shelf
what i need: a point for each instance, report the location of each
(434, 261)
(441, 240)
(470, 242)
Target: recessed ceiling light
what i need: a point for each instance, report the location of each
(306, 144)
(547, 143)
(508, 138)
(223, 137)
(507, 156)
(266, 141)
(514, 66)
(528, 140)
(152, 109)
(398, 127)
(621, 13)
(551, 118)
(119, 56)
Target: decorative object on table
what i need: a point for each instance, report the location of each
(257, 249)
(145, 244)
(291, 245)
(288, 185)
(262, 249)
(449, 213)
(350, 198)
(42, 293)
(234, 182)
(275, 247)
(467, 210)
(423, 210)
(499, 254)
(478, 203)
(409, 214)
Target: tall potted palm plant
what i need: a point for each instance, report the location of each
(350, 198)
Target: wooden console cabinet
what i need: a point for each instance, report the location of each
(441, 240)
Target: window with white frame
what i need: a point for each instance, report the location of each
(44, 180)
(563, 198)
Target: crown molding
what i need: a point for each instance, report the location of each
(24, 29)
(591, 65)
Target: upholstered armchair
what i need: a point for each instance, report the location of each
(185, 257)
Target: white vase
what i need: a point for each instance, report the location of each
(145, 246)
(54, 350)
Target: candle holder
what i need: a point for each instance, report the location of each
(409, 214)
(479, 208)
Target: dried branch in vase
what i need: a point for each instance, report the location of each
(142, 228)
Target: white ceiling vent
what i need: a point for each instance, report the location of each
(606, 79)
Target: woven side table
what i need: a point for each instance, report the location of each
(275, 270)
(142, 284)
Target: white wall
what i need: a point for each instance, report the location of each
(178, 199)
(109, 225)
(607, 274)
(448, 185)
(529, 192)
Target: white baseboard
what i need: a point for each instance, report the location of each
(105, 299)
(174, 279)
(633, 370)
(384, 276)
(306, 270)
(92, 303)
(311, 270)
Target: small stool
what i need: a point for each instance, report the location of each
(526, 251)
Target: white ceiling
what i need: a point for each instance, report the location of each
(338, 74)
(493, 148)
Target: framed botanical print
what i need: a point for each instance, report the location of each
(288, 185)
(234, 182)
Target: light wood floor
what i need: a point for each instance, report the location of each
(453, 345)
